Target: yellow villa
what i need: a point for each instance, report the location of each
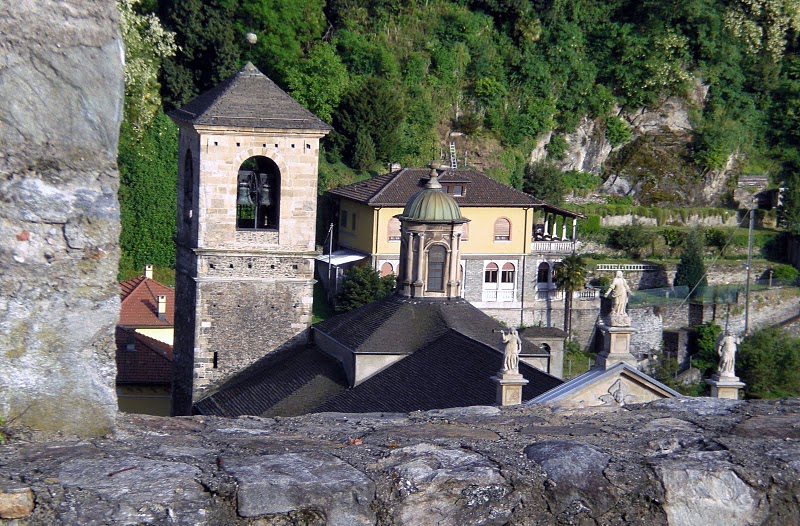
(508, 247)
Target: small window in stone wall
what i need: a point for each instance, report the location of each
(507, 274)
(543, 274)
(490, 274)
(215, 360)
(188, 187)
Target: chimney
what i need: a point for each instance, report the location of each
(148, 271)
(130, 343)
(162, 307)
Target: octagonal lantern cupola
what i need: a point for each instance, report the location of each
(431, 230)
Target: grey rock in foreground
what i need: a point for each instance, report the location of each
(675, 462)
(61, 91)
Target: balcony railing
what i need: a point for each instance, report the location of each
(550, 247)
(632, 267)
(494, 295)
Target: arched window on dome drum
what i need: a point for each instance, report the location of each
(543, 275)
(507, 274)
(490, 273)
(502, 229)
(394, 229)
(436, 258)
(386, 269)
(258, 194)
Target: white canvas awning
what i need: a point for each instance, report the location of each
(341, 257)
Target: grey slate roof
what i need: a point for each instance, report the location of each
(400, 325)
(249, 99)
(287, 382)
(394, 189)
(451, 371)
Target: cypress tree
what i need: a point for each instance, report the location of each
(691, 269)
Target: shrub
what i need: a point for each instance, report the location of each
(557, 147)
(617, 131)
(784, 273)
(632, 239)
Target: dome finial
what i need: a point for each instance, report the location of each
(433, 182)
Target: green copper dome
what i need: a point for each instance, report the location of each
(432, 205)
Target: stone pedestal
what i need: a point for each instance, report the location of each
(509, 388)
(616, 346)
(725, 386)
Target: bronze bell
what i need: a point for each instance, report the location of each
(264, 197)
(243, 195)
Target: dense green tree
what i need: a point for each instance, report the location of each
(148, 171)
(544, 180)
(364, 152)
(362, 285)
(569, 275)
(376, 108)
(768, 362)
(691, 269)
(319, 81)
(209, 43)
(790, 205)
(632, 239)
(706, 358)
(673, 238)
(147, 43)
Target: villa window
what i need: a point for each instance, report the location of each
(343, 219)
(394, 229)
(502, 229)
(507, 274)
(490, 273)
(386, 269)
(543, 274)
(436, 258)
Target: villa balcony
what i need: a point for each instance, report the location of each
(552, 246)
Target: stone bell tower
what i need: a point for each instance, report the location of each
(247, 197)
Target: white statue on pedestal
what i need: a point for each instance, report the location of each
(726, 349)
(513, 346)
(619, 292)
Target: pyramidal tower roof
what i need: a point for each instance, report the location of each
(249, 99)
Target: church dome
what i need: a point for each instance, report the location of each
(432, 205)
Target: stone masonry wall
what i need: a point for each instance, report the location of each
(61, 92)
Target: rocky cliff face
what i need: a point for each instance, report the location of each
(676, 462)
(61, 83)
(655, 166)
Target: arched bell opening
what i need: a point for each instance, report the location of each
(258, 194)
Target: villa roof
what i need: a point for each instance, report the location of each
(249, 99)
(479, 190)
(451, 371)
(148, 362)
(139, 303)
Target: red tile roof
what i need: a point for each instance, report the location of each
(149, 362)
(139, 306)
(395, 188)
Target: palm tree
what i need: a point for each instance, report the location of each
(569, 276)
